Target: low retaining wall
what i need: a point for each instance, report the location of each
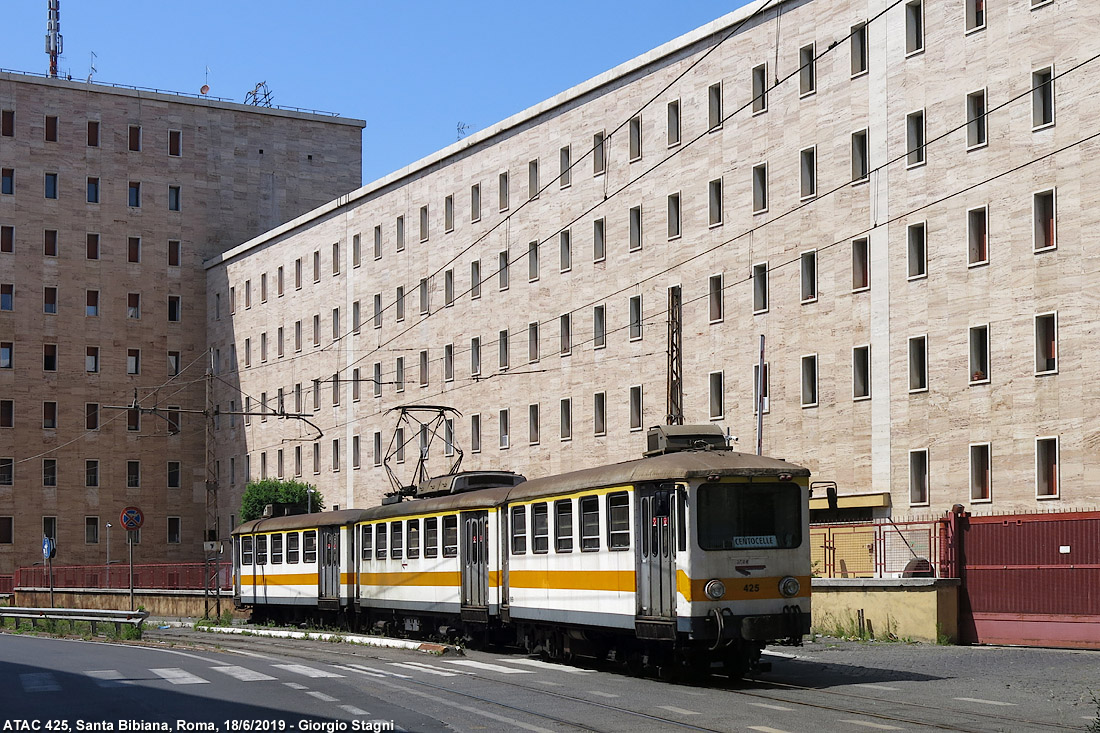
(921, 609)
(164, 603)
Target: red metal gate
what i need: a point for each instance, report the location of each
(1031, 579)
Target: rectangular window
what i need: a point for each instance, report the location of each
(534, 431)
(298, 274)
(590, 523)
(635, 228)
(133, 361)
(6, 355)
(449, 213)
(917, 247)
(1046, 343)
(808, 276)
(503, 418)
(599, 413)
(424, 301)
(976, 119)
(636, 414)
(396, 538)
(50, 189)
(807, 70)
(91, 473)
(424, 223)
(7, 240)
(133, 194)
(175, 308)
(634, 135)
(475, 280)
(563, 525)
(760, 89)
(91, 530)
(918, 364)
(356, 319)
(977, 234)
(133, 420)
(716, 299)
(376, 386)
(91, 359)
(861, 265)
(93, 133)
(1046, 467)
(533, 179)
(335, 258)
(380, 541)
(618, 521)
(316, 265)
(49, 243)
(635, 308)
(503, 350)
(135, 138)
(760, 287)
(7, 414)
(475, 356)
(399, 304)
(49, 527)
(565, 175)
(716, 384)
(173, 198)
(673, 134)
(448, 437)
(475, 202)
(975, 15)
(918, 477)
(566, 417)
(336, 454)
(532, 342)
(519, 530)
(861, 372)
(412, 538)
(173, 474)
(175, 143)
(49, 357)
(336, 332)
(49, 472)
(400, 233)
(49, 300)
(914, 26)
(761, 387)
(133, 474)
(51, 129)
(599, 153)
(7, 474)
(714, 200)
(760, 188)
(448, 364)
(174, 261)
(599, 327)
(674, 224)
(1042, 214)
(377, 320)
(93, 190)
(133, 249)
(914, 132)
(502, 270)
(377, 449)
(475, 433)
(399, 374)
(808, 172)
(1042, 98)
(502, 182)
(378, 242)
(809, 380)
(599, 241)
(980, 473)
(565, 327)
(7, 123)
(540, 528)
(532, 261)
(861, 168)
(714, 106)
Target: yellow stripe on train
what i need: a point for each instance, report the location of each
(738, 589)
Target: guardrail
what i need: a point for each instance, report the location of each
(72, 615)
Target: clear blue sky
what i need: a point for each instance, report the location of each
(412, 70)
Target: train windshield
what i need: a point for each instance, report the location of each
(764, 516)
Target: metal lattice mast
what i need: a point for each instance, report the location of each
(53, 35)
(675, 415)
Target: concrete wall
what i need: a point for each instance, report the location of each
(159, 603)
(921, 609)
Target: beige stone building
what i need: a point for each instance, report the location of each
(112, 198)
(894, 194)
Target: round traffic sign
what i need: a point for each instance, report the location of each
(131, 518)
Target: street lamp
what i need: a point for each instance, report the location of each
(108, 546)
(309, 501)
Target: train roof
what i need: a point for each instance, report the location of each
(301, 521)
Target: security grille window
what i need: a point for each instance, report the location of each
(450, 535)
(1043, 220)
(808, 172)
(599, 241)
(1046, 468)
(918, 477)
(808, 276)
(1046, 343)
(566, 419)
(599, 413)
(917, 247)
(475, 280)
(674, 224)
(618, 521)
(673, 133)
(431, 537)
(861, 265)
(977, 234)
(532, 342)
(914, 132)
(716, 298)
(563, 525)
(534, 432)
(634, 130)
(502, 270)
(760, 188)
(918, 364)
(599, 327)
(807, 70)
(714, 106)
(760, 89)
(503, 423)
(860, 156)
(565, 242)
(760, 287)
(532, 261)
(861, 372)
(976, 119)
(914, 27)
(503, 191)
(635, 228)
(980, 473)
(1042, 98)
(717, 395)
(540, 529)
(475, 202)
(565, 175)
(636, 414)
(635, 329)
(599, 153)
(533, 179)
(714, 201)
(809, 380)
(412, 538)
(519, 530)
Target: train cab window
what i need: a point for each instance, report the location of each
(380, 542)
(563, 525)
(540, 529)
(261, 549)
(754, 516)
(450, 536)
(519, 530)
(246, 551)
(277, 549)
(292, 540)
(590, 523)
(395, 540)
(309, 553)
(431, 537)
(681, 521)
(412, 538)
(618, 521)
(367, 541)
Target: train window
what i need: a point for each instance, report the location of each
(292, 539)
(395, 540)
(246, 550)
(412, 538)
(277, 549)
(540, 528)
(309, 551)
(519, 530)
(753, 516)
(646, 508)
(563, 525)
(367, 542)
(618, 521)
(380, 542)
(261, 549)
(590, 523)
(681, 521)
(431, 537)
(450, 536)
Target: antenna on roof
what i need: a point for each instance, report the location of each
(260, 96)
(91, 67)
(462, 128)
(53, 35)
(205, 89)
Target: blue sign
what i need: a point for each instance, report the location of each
(47, 548)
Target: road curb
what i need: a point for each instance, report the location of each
(363, 640)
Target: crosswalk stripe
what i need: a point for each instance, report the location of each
(244, 674)
(870, 686)
(984, 702)
(322, 696)
(39, 682)
(866, 724)
(603, 694)
(547, 665)
(426, 668)
(294, 686)
(360, 669)
(177, 676)
(306, 671)
(769, 707)
(106, 677)
(489, 667)
(766, 729)
(678, 711)
(353, 710)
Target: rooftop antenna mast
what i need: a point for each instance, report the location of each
(53, 35)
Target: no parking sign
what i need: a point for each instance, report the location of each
(131, 518)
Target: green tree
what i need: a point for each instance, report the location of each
(258, 494)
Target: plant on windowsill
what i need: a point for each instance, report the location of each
(977, 376)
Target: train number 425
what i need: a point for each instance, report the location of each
(751, 588)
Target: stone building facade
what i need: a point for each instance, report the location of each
(894, 194)
(112, 200)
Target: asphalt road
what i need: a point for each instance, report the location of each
(332, 687)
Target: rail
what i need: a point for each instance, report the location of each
(72, 615)
(881, 549)
(164, 576)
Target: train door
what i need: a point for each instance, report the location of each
(475, 566)
(328, 567)
(656, 557)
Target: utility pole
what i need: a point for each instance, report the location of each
(675, 411)
(212, 538)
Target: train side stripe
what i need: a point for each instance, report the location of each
(606, 580)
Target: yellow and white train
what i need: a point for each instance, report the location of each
(695, 552)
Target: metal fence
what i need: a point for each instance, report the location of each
(167, 576)
(881, 549)
(7, 583)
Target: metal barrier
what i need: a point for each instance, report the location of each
(165, 576)
(72, 615)
(881, 549)
(7, 584)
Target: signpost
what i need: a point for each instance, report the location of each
(131, 520)
(48, 549)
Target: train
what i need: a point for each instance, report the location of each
(693, 556)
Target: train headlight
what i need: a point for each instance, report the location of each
(789, 586)
(715, 589)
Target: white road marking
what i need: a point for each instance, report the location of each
(489, 667)
(875, 687)
(250, 654)
(427, 669)
(106, 677)
(678, 711)
(547, 665)
(548, 683)
(39, 682)
(985, 702)
(766, 729)
(294, 686)
(321, 696)
(602, 694)
(244, 674)
(177, 676)
(306, 671)
(511, 723)
(353, 710)
(866, 724)
(770, 707)
(360, 669)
